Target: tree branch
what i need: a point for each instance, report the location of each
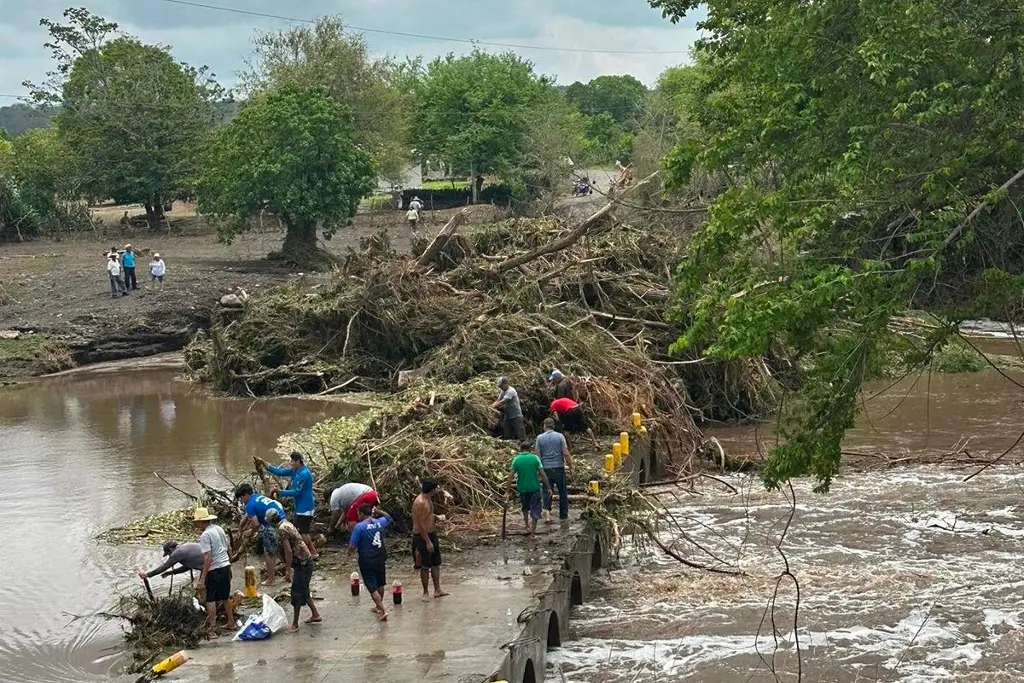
(435, 247)
(978, 209)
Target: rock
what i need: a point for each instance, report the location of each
(232, 301)
(9, 334)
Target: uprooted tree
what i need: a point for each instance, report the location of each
(290, 152)
(874, 151)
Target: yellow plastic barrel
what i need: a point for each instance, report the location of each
(638, 420)
(617, 452)
(594, 488)
(609, 463)
(171, 663)
(624, 443)
(250, 582)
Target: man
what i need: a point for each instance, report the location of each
(368, 540)
(256, 506)
(426, 551)
(511, 412)
(555, 457)
(625, 175)
(116, 283)
(562, 384)
(188, 555)
(301, 489)
(128, 263)
(157, 270)
(529, 475)
(570, 415)
(215, 575)
(416, 205)
(345, 503)
(298, 557)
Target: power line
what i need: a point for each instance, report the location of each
(448, 39)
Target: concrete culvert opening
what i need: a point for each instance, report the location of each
(528, 674)
(576, 592)
(554, 634)
(596, 557)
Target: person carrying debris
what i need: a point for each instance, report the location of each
(157, 270)
(301, 489)
(570, 414)
(188, 555)
(528, 472)
(562, 384)
(128, 263)
(215, 576)
(557, 461)
(511, 412)
(256, 506)
(368, 541)
(345, 503)
(299, 559)
(426, 552)
(116, 283)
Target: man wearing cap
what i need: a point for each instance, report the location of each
(215, 575)
(345, 503)
(157, 270)
(128, 263)
(570, 414)
(301, 489)
(562, 384)
(298, 557)
(256, 506)
(511, 412)
(188, 555)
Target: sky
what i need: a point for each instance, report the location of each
(222, 40)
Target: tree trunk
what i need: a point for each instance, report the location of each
(154, 212)
(472, 182)
(300, 246)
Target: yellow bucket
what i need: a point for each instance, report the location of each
(624, 443)
(250, 582)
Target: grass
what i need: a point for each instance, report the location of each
(35, 350)
(444, 185)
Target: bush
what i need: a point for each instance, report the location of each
(500, 195)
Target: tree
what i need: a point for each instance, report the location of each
(20, 117)
(291, 152)
(875, 150)
(621, 97)
(474, 111)
(131, 117)
(323, 55)
(38, 163)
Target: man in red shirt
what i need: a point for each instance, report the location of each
(570, 414)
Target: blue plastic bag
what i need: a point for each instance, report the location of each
(254, 629)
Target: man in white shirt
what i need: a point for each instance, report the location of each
(116, 283)
(215, 577)
(157, 270)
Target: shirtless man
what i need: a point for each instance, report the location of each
(425, 549)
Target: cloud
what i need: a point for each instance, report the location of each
(222, 40)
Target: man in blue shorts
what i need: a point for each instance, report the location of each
(368, 540)
(528, 472)
(256, 506)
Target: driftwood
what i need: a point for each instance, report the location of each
(437, 244)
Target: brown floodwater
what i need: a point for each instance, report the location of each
(79, 454)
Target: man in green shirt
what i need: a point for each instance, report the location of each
(528, 472)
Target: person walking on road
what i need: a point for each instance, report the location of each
(116, 283)
(528, 472)
(557, 461)
(426, 551)
(256, 506)
(346, 501)
(301, 489)
(215, 575)
(570, 414)
(188, 557)
(128, 263)
(299, 559)
(157, 270)
(368, 541)
(511, 412)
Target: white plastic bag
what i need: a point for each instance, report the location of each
(272, 617)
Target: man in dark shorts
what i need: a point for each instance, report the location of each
(426, 551)
(215, 577)
(528, 472)
(368, 540)
(298, 557)
(570, 415)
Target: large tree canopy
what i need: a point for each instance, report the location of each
(131, 117)
(474, 111)
(621, 97)
(291, 152)
(323, 55)
(875, 150)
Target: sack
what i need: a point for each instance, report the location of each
(261, 626)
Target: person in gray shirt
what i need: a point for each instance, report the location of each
(556, 459)
(189, 557)
(511, 412)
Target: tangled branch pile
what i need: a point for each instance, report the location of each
(158, 626)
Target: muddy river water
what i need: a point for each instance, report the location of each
(906, 574)
(78, 456)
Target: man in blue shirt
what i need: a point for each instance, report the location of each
(256, 506)
(368, 540)
(554, 455)
(128, 263)
(301, 489)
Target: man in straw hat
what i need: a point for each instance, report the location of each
(215, 577)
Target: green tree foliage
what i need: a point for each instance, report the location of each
(874, 149)
(291, 152)
(38, 163)
(474, 111)
(621, 97)
(323, 55)
(132, 119)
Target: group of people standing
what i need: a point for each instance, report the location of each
(121, 270)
